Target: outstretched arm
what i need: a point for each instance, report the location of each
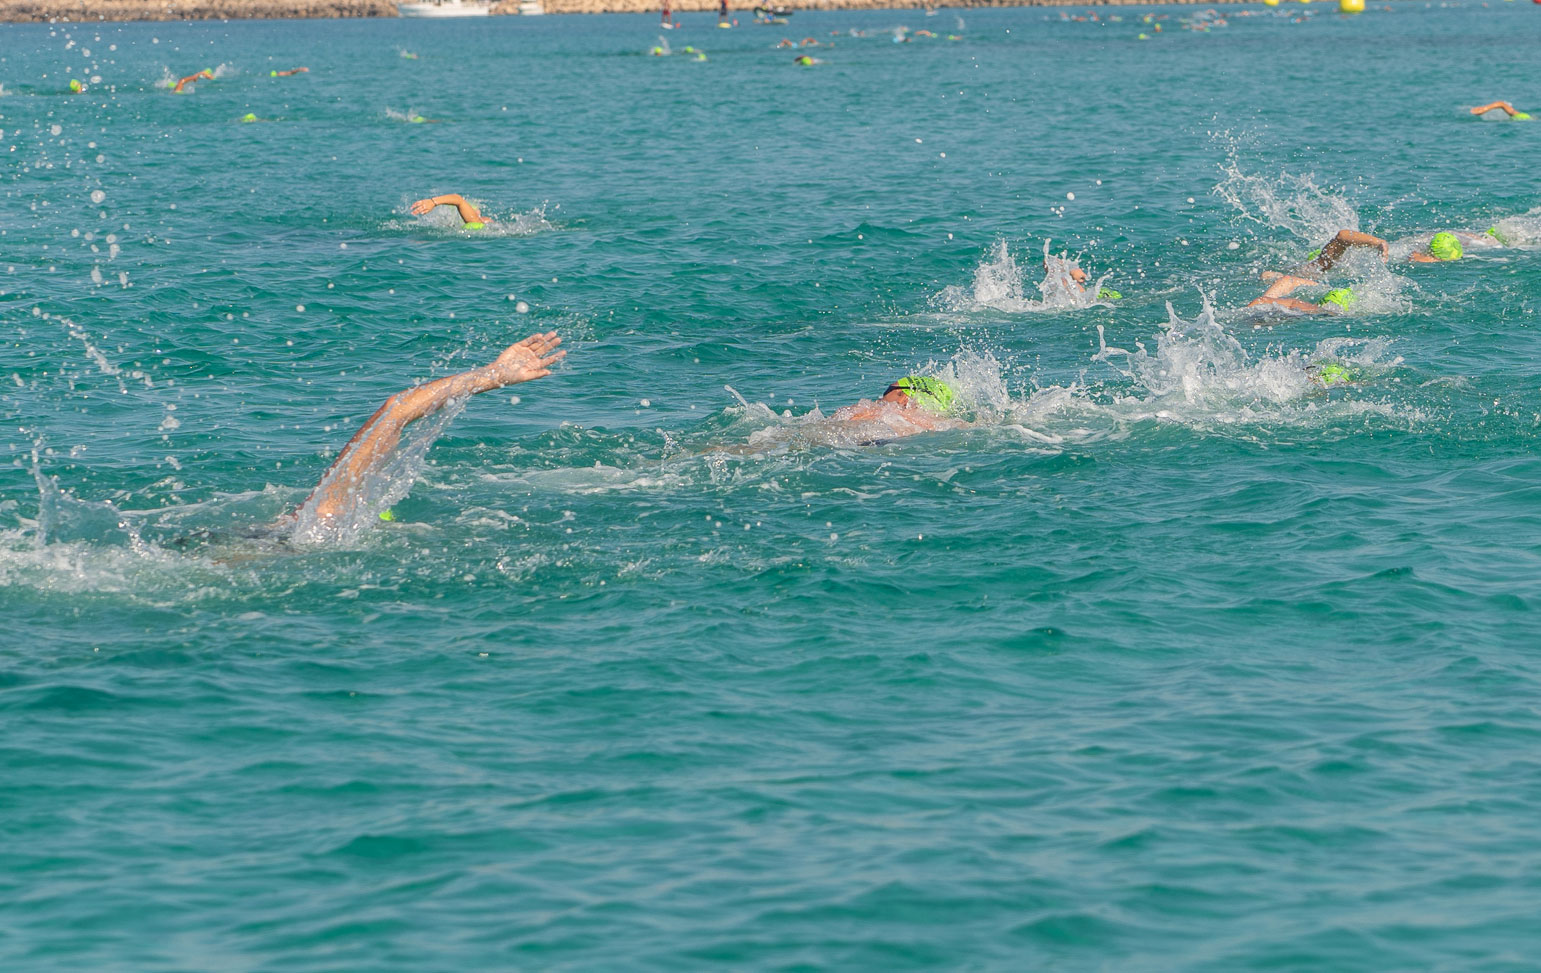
(1278, 293)
(529, 359)
(1338, 246)
(468, 213)
(1508, 108)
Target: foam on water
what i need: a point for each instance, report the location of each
(1286, 201)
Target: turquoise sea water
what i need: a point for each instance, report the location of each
(1171, 660)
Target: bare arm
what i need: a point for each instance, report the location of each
(1338, 246)
(1508, 108)
(529, 359)
(1278, 293)
(468, 213)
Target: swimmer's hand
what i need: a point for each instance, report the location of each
(526, 360)
(424, 206)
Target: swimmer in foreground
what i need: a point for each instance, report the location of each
(1508, 109)
(285, 74)
(911, 405)
(469, 214)
(1076, 279)
(342, 486)
(204, 75)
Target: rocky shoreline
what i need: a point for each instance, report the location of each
(24, 11)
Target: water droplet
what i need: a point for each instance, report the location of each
(97, 195)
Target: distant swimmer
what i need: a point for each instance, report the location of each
(806, 61)
(76, 87)
(469, 214)
(345, 484)
(285, 74)
(1508, 109)
(205, 75)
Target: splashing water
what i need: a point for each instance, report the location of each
(1294, 204)
(379, 488)
(998, 286)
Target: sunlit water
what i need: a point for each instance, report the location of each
(1169, 658)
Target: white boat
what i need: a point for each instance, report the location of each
(443, 8)
(530, 8)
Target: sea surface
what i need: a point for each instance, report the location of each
(1171, 658)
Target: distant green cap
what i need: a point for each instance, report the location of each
(1445, 246)
(387, 516)
(1314, 254)
(1341, 296)
(76, 86)
(1522, 116)
(248, 117)
(931, 394)
(416, 119)
(475, 225)
(1108, 294)
(273, 73)
(1493, 232)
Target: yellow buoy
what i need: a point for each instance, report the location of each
(1270, 3)
(1351, 6)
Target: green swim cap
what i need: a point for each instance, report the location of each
(1445, 246)
(387, 516)
(1314, 254)
(1108, 294)
(1492, 231)
(930, 394)
(1333, 375)
(689, 49)
(76, 86)
(475, 225)
(248, 117)
(273, 73)
(417, 119)
(1341, 296)
(1522, 116)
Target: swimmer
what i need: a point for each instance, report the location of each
(1337, 300)
(469, 214)
(285, 74)
(76, 87)
(204, 75)
(1508, 109)
(805, 60)
(808, 42)
(1076, 280)
(911, 405)
(342, 486)
(785, 42)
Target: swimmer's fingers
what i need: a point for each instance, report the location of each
(422, 206)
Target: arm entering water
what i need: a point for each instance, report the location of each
(529, 359)
(468, 213)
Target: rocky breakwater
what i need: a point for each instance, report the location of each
(15, 11)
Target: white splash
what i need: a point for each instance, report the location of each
(998, 285)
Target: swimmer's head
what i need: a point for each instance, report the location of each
(475, 225)
(387, 516)
(1342, 297)
(1445, 246)
(931, 394)
(1329, 375)
(273, 73)
(1108, 294)
(76, 87)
